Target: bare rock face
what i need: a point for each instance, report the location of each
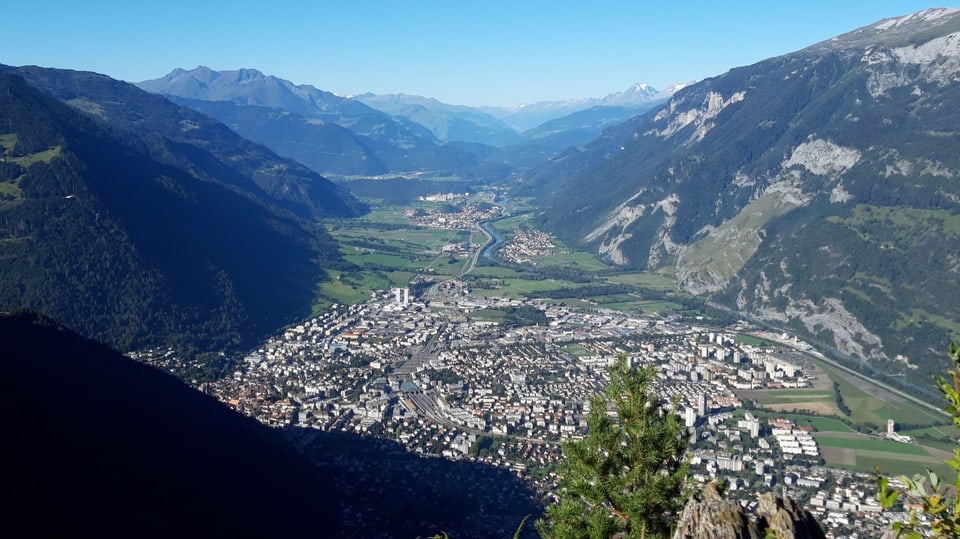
(784, 519)
(711, 516)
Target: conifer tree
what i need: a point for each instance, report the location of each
(626, 477)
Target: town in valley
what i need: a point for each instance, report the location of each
(456, 374)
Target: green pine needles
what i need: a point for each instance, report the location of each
(939, 515)
(626, 477)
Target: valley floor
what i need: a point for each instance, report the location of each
(460, 374)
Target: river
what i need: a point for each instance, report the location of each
(497, 240)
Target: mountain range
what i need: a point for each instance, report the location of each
(370, 135)
(445, 122)
(818, 190)
(332, 135)
(141, 223)
(528, 116)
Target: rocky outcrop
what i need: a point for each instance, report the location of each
(709, 515)
(784, 519)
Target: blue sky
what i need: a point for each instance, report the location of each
(483, 52)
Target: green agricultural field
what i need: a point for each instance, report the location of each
(909, 466)
(946, 431)
(659, 306)
(817, 401)
(10, 190)
(634, 303)
(865, 443)
(576, 259)
(506, 225)
(653, 281)
(424, 237)
(40, 157)
(943, 437)
(399, 278)
(819, 423)
(383, 260)
(356, 286)
(498, 272)
(489, 315)
(8, 141)
(826, 424)
(894, 458)
(519, 287)
(751, 340)
(478, 238)
(871, 404)
(348, 289)
(607, 300)
(780, 396)
(443, 265)
(385, 214)
(405, 240)
(622, 306)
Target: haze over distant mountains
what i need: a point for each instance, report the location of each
(396, 133)
(638, 97)
(819, 190)
(524, 117)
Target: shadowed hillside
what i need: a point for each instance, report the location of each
(102, 446)
(143, 241)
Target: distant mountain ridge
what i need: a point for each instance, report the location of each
(818, 190)
(446, 122)
(331, 134)
(371, 135)
(251, 87)
(124, 106)
(521, 124)
(639, 97)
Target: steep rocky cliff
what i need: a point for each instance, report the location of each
(818, 189)
(710, 516)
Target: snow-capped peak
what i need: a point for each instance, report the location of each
(926, 15)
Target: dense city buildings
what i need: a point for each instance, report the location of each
(442, 380)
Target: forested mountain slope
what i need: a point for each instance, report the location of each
(222, 155)
(143, 240)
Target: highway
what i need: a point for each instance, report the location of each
(471, 262)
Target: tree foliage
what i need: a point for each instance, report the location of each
(939, 514)
(627, 475)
